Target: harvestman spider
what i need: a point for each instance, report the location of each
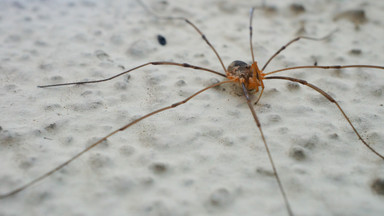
(249, 77)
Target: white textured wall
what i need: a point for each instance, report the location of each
(215, 162)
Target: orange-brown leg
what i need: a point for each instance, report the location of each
(325, 67)
(331, 99)
(291, 42)
(268, 152)
(251, 33)
(261, 93)
(54, 170)
(135, 68)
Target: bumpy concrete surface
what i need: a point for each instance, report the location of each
(205, 157)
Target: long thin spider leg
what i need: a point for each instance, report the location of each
(291, 42)
(258, 98)
(105, 138)
(191, 24)
(290, 213)
(251, 32)
(325, 67)
(135, 68)
(331, 99)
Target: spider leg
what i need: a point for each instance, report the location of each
(331, 99)
(325, 67)
(191, 24)
(54, 170)
(268, 151)
(291, 42)
(135, 68)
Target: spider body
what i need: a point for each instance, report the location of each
(250, 75)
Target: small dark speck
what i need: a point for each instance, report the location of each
(355, 52)
(297, 8)
(127, 78)
(68, 140)
(86, 93)
(122, 67)
(161, 39)
(159, 168)
(264, 172)
(180, 83)
(46, 67)
(100, 54)
(274, 118)
(334, 136)
(293, 86)
(356, 16)
(51, 127)
(269, 10)
(297, 153)
(52, 107)
(378, 186)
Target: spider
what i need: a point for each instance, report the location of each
(250, 78)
